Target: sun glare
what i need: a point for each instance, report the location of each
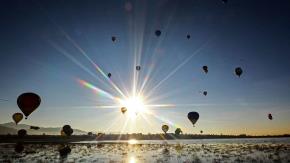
(134, 105)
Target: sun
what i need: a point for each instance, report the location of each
(135, 106)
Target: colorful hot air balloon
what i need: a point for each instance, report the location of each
(238, 71)
(157, 33)
(270, 116)
(193, 117)
(123, 110)
(67, 130)
(28, 102)
(205, 69)
(17, 117)
(165, 128)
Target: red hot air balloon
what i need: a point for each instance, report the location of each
(28, 102)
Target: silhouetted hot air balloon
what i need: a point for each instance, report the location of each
(67, 130)
(109, 75)
(193, 117)
(123, 110)
(21, 133)
(34, 127)
(138, 68)
(114, 38)
(178, 131)
(28, 102)
(17, 117)
(270, 116)
(201, 131)
(188, 36)
(157, 33)
(238, 71)
(205, 93)
(165, 128)
(205, 69)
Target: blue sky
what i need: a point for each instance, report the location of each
(42, 46)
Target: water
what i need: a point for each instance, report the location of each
(207, 150)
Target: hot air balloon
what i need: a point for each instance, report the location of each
(188, 36)
(270, 116)
(67, 130)
(123, 110)
(165, 128)
(205, 93)
(178, 131)
(62, 133)
(138, 68)
(21, 133)
(109, 75)
(34, 127)
(193, 117)
(17, 117)
(238, 71)
(157, 33)
(18, 147)
(205, 69)
(28, 102)
(114, 38)
(201, 131)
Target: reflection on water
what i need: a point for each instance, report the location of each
(132, 141)
(132, 160)
(239, 150)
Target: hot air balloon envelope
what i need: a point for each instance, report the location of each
(165, 128)
(67, 130)
(17, 117)
(205, 69)
(270, 116)
(28, 102)
(123, 110)
(238, 71)
(157, 33)
(193, 117)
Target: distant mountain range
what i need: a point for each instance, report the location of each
(12, 128)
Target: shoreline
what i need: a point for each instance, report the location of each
(51, 139)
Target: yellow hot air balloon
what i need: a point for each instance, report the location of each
(62, 133)
(17, 117)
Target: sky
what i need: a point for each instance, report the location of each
(62, 50)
